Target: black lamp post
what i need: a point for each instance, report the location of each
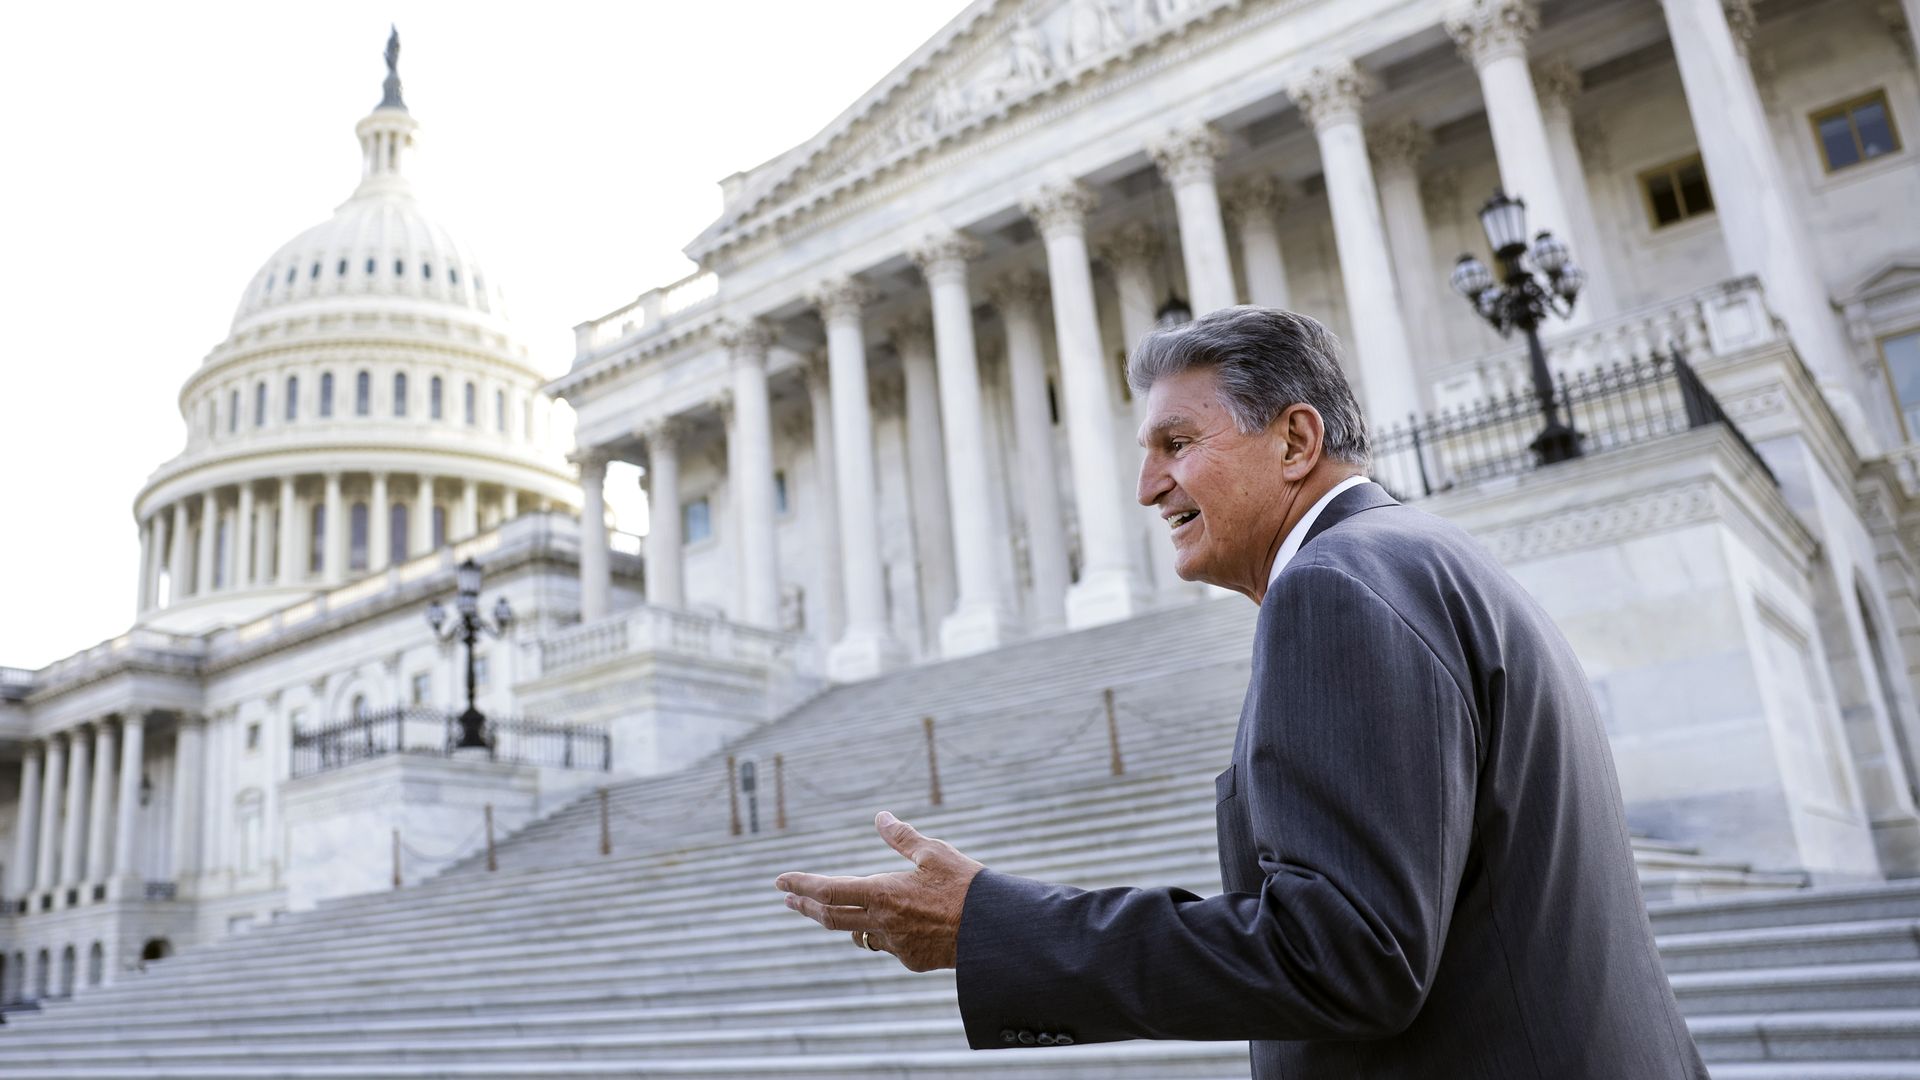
(467, 628)
(1522, 300)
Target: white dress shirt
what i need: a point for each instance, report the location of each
(1298, 534)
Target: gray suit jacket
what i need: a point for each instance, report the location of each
(1426, 862)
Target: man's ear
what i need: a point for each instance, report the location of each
(1301, 434)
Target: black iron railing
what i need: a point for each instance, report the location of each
(435, 733)
(1614, 406)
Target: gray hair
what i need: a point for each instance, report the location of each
(1265, 360)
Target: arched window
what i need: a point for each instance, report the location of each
(96, 964)
(426, 271)
(363, 393)
(260, 404)
(315, 272)
(69, 968)
(453, 275)
(399, 393)
(326, 393)
(233, 412)
(342, 270)
(360, 709)
(293, 397)
(472, 403)
(357, 544)
(397, 521)
(317, 538)
(291, 271)
(42, 973)
(439, 527)
(369, 266)
(500, 410)
(155, 949)
(434, 398)
(399, 268)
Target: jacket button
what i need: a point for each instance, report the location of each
(1045, 1039)
(1007, 1036)
(1026, 1038)
(1063, 1040)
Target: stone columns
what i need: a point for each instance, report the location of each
(979, 621)
(1559, 84)
(181, 572)
(289, 529)
(1397, 149)
(1129, 253)
(161, 532)
(867, 647)
(596, 576)
(243, 539)
(142, 598)
(48, 875)
(1107, 589)
(469, 508)
(422, 538)
(26, 824)
(666, 582)
(1017, 297)
(509, 505)
(188, 754)
(1329, 97)
(379, 525)
(751, 481)
(933, 537)
(100, 813)
(132, 750)
(1254, 205)
(826, 515)
(1185, 158)
(1763, 234)
(334, 551)
(209, 531)
(73, 865)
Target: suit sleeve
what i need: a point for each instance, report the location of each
(1358, 770)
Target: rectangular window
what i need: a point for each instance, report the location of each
(317, 539)
(500, 410)
(362, 394)
(253, 735)
(260, 405)
(473, 404)
(357, 537)
(1676, 191)
(326, 393)
(233, 412)
(293, 397)
(1901, 353)
(1856, 131)
(697, 523)
(400, 393)
(433, 398)
(421, 687)
(780, 491)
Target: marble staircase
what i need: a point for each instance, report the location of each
(672, 957)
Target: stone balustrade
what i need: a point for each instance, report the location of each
(1724, 318)
(645, 313)
(651, 629)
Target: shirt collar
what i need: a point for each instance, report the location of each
(1298, 534)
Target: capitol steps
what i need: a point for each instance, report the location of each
(673, 956)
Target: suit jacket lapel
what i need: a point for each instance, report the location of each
(1346, 504)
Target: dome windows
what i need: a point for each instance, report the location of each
(453, 275)
(399, 393)
(292, 271)
(342, 270)
(363, 393)
(434, 399)
(399, 268)
(326, 393)
(233, 412)
(500, 410)
(473, 416)
(426, 271)
(370, 264)
(315, 272)
(260, 404)
(293, 397)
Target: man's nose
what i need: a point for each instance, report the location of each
(1154, 481)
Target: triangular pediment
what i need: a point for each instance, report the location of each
(1895, 276)
(991, 58)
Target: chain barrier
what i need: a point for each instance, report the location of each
(417, 864)
(682, 812)
(994, 761)
(916, 756)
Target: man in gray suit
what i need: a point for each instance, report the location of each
(1426, 862)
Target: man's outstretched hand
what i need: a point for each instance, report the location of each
(913, 914)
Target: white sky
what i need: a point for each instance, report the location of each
(157, 154)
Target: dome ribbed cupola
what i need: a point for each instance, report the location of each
(380, 243)
(369, 407)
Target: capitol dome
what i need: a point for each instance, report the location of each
(369, 407)
(380, 243)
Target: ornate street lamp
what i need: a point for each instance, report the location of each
(467, 628)
(1520, 299)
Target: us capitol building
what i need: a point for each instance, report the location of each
(886, 424)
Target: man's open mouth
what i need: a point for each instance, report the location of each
(1178, 520)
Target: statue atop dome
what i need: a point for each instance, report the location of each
(391, 86)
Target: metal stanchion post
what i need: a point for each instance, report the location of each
(779, 793)
(933, 763)
(733, 797)
(606, 828)
(1118, 765)
(396, 858)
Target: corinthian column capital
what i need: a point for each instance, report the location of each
(745, 339)
(1399, 144)
(1017, 290)
(1331, 94)
(1742, 20)
(840, 298)
(912, 334)
(1489, 30)
(1557, 81)
(1131, 244)
(1060, 208)
(1248, 198)
(1185, 155)
(944, 254)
